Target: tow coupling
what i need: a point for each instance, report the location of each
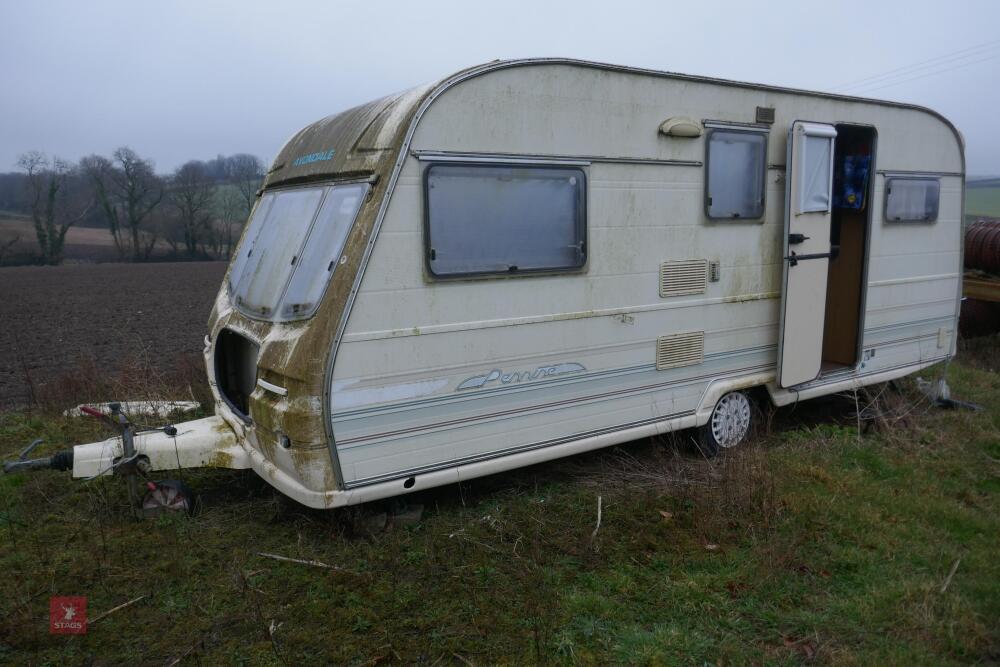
(137, 451)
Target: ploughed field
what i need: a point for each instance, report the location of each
(87, 324)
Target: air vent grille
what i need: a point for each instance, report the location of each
(687, 276)
(683, 349)
(765, 115)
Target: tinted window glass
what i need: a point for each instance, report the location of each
(735, 183)
(504, 219)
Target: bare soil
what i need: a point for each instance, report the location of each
(101, 317)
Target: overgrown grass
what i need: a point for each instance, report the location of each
(821, 541)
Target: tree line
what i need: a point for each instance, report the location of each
(197, 211)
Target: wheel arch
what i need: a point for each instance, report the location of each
(754, 384)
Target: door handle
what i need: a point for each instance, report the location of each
(794, 239)
(794, 259)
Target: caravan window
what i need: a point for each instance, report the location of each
(290, 249)
(912, 199)
(504, 219)
(815, 168)
(736, 173)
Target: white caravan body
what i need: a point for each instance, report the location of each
(547, 260)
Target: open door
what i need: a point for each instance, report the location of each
(808, 208)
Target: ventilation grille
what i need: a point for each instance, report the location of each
(688, 276)
(684, 349)
(765, 115)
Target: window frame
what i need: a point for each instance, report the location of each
(717, 126)
(582, 209)
(889, 178)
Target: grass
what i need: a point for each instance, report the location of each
(820, 542)
(983, 201)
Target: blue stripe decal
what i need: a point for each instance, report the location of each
(513, 389)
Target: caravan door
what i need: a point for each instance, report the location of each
(808, 206)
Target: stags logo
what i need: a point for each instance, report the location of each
(68, 615)
(497, 375)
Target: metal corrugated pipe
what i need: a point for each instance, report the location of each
(982, 246)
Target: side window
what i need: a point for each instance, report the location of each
(736, 173)
(912, 199)
(486, 219)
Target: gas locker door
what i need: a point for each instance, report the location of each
(808, 206)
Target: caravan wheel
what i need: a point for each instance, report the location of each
(166, 497)
(729, 425)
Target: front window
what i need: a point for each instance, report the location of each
(291, 248)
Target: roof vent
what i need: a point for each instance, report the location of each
(765, 115)
(683, 349)
(688, 276)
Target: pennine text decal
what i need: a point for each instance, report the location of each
(321, 156)
(497, 375)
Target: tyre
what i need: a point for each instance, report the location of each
(728, 426)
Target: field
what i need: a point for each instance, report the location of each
(854, 530)
(83, 244)
(983, 200)
(74, 325)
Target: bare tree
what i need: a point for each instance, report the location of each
(5, 247)
(128, 191)
(192, 193)
(55, 201)
(171, 230)
(246, 172)
(232, 215)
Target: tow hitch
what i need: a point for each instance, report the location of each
(60, 461)
(137, 451)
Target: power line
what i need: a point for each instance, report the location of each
(935, 68)
(880, 85)
(961, 54)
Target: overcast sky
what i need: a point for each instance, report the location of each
(182, 80)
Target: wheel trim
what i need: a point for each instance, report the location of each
(731, 419)
(166, 497)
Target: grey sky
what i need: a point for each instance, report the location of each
(181, 80)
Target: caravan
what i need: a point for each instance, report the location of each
(536, 258)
